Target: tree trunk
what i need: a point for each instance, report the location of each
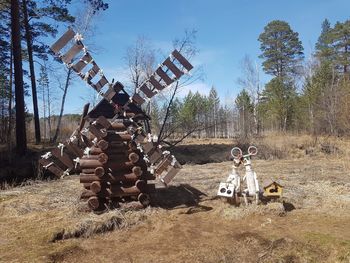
(9, 139)
(62, 106)
(32, 71)
(21, 140)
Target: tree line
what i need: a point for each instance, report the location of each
(304, 95)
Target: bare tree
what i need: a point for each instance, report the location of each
(250, 81)
(186, 46)
(140, 61)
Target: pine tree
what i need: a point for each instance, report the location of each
(340, 38)
(280, 102)
(281, 48)
(324, 49)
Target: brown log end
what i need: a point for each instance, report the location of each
(103, 158)
(99, 171)
(95, 186)
(144, 199)
(102, 144)
(134, 157)
(141, 185)
(93, 202)
(137, 170)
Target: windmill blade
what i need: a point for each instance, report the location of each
(86, 61)
(176, 64)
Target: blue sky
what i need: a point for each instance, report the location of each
(227, 31)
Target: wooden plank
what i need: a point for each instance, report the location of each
(156, 84)
(164, 76)
(72, 52)
(177, 72)
(97, 132)
(64, 158)
(52, 167)
(138, 99)
(74, 149)
(62, 41)
(86, 59)
(184, 62)
(100, 84)
(93, 71)
(149, 93)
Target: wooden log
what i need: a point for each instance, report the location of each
(137, 170)
(114, 165)
(144, 199)
(93, 202)
(114, 149)
(99, 171)
(118, 137)
(95, 186)
(102, 144)
(134, 157)
(118, 126)
(117, 191)
(113, 179)
(102, 122)
(141, 185)
(102, 157)
(86, 186)
(89, 178)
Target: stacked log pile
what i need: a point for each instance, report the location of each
(113, 169)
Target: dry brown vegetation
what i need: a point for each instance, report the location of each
(46, 221)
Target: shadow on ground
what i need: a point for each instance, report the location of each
(180, 196)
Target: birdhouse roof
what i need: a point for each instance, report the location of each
(269, 182)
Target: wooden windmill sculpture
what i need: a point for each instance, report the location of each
(113, 148)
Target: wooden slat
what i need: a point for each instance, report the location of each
(93, 71)
(64, 159)
(177, 72)
(53, 168)
(71, 53)
(97, 132)
(164, 76)
(74, 149)
(100, 84)
(149, 93)
(156, 84)
(138, 99)
(62, 41)
(86, 59)
(184, 62)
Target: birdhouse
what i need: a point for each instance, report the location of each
(272, 189)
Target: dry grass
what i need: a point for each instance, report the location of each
(47, 222)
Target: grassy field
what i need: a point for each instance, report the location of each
(46, 221)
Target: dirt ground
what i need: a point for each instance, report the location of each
(46, 221)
